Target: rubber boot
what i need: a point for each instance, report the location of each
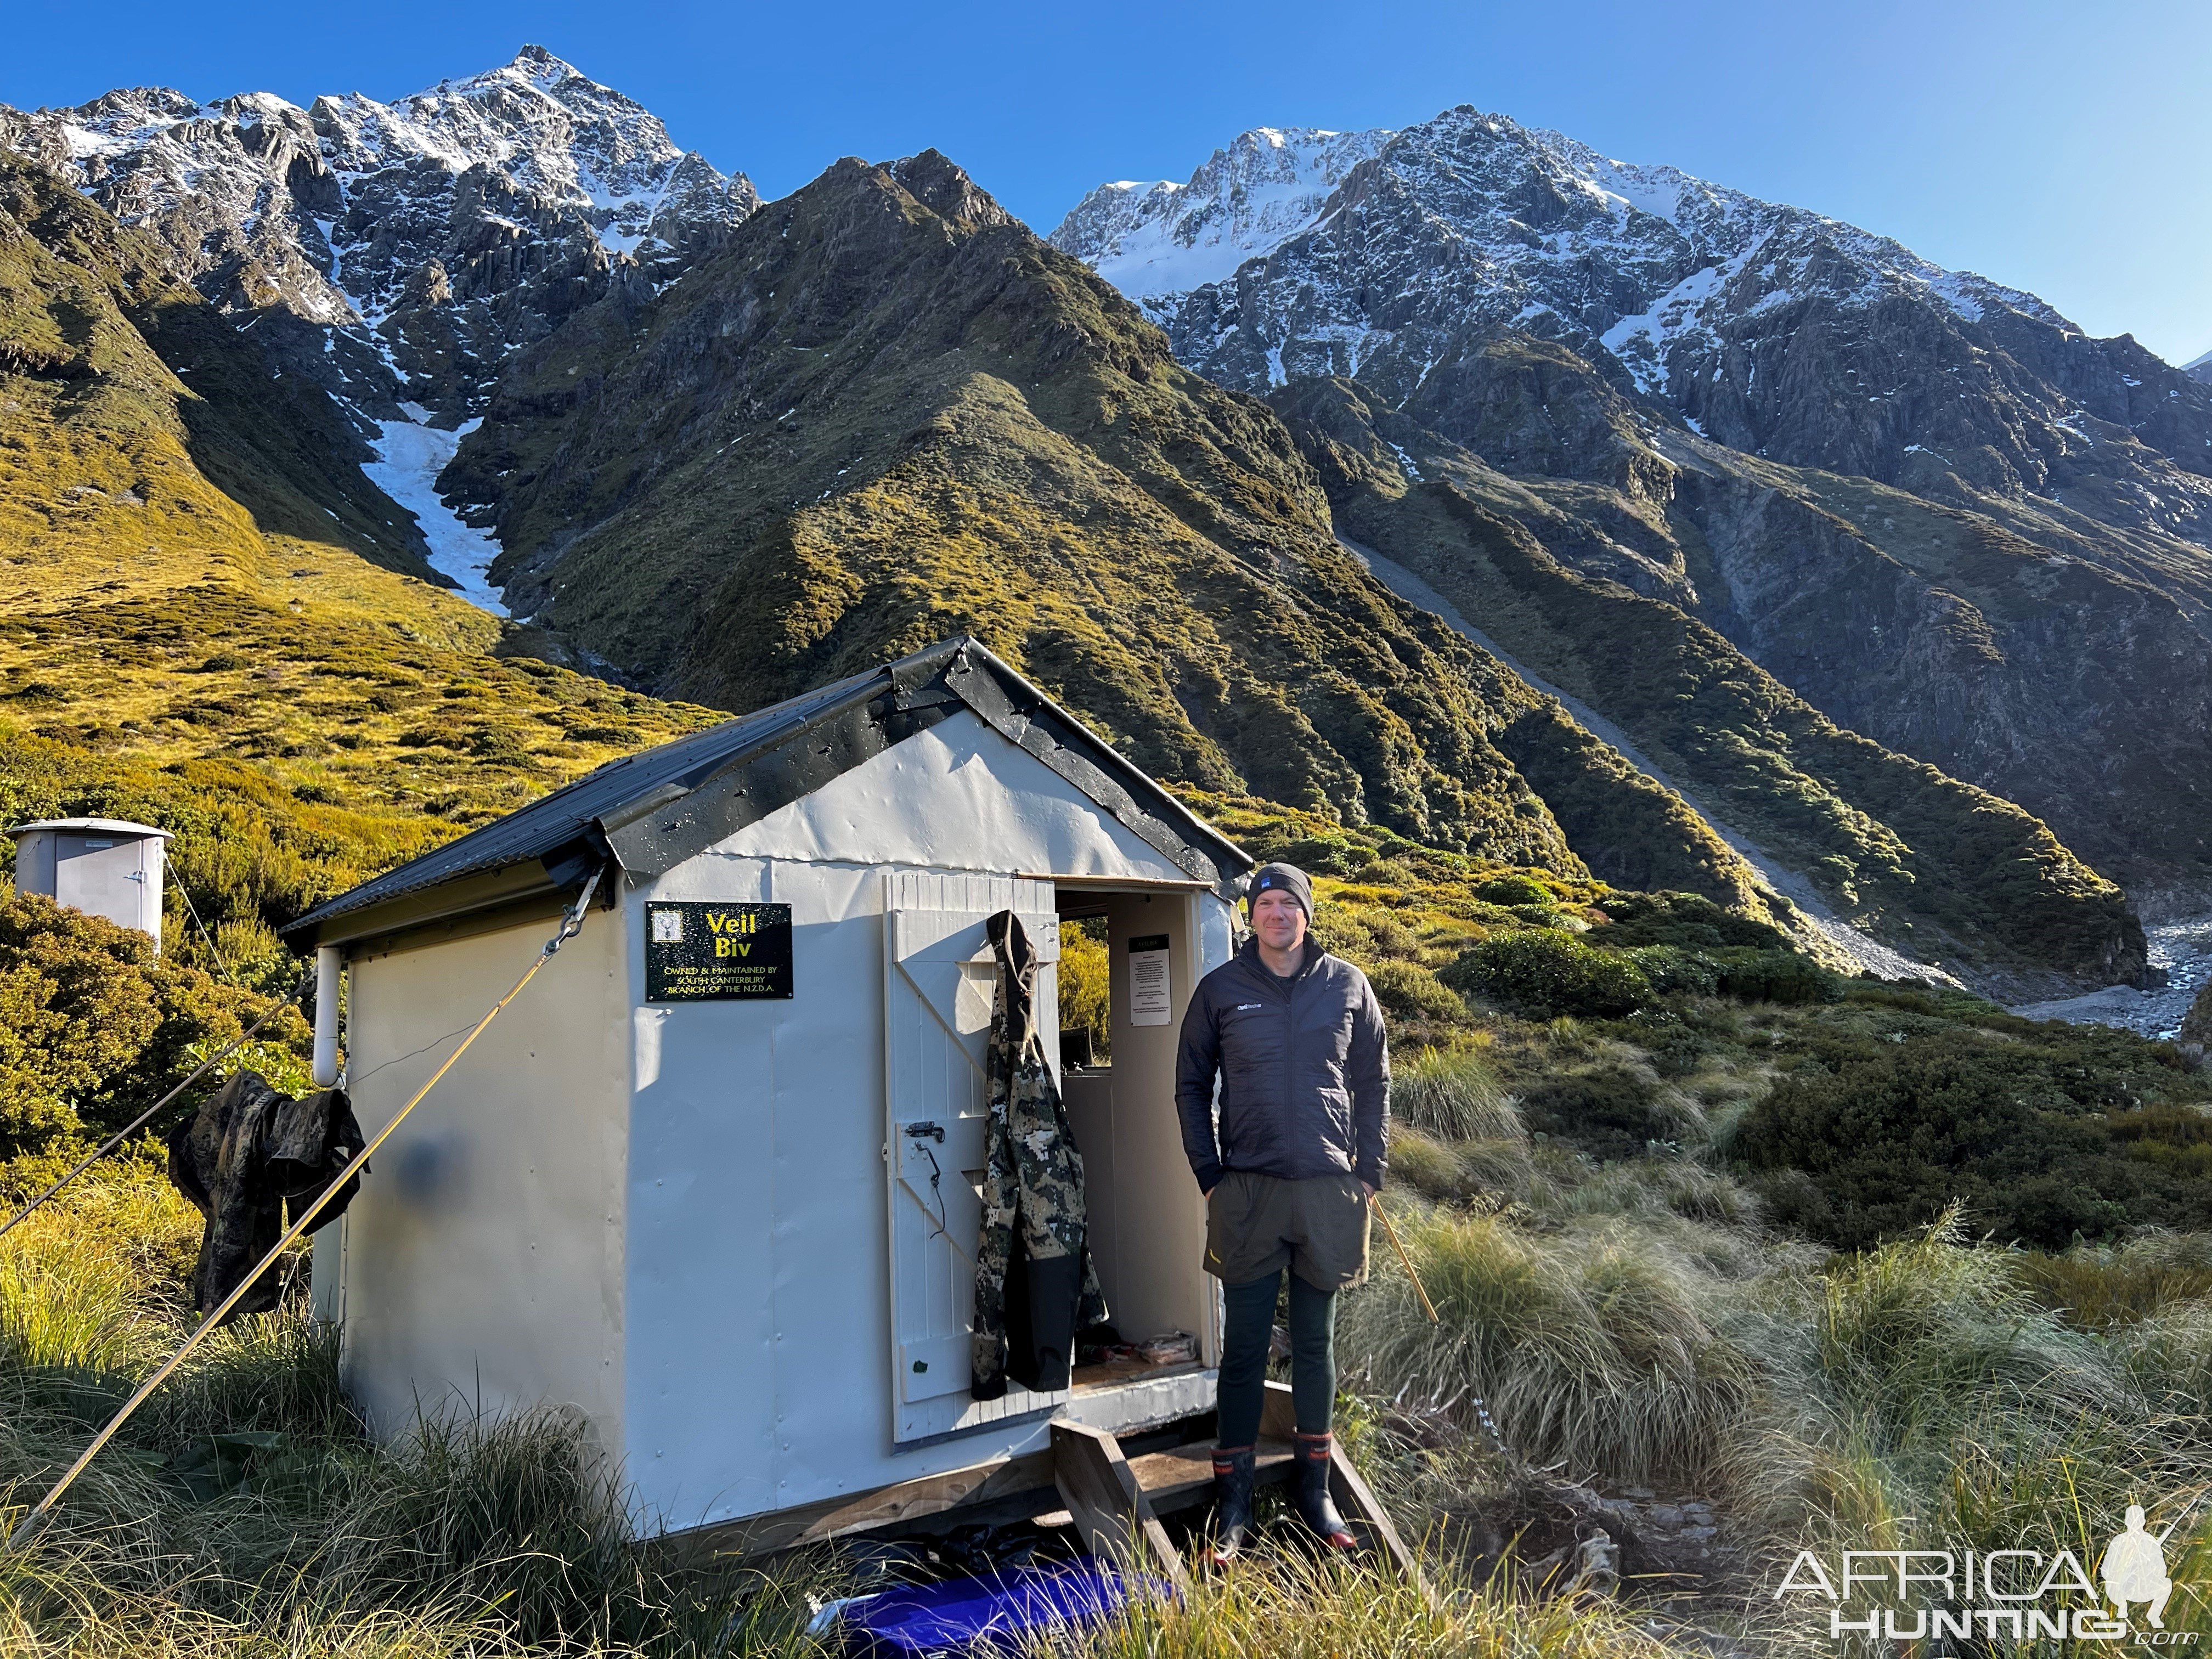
(1316, 1507)
(1233, 1493)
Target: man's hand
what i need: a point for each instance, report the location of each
(1371, 1190)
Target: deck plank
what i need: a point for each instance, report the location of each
(1183, 1475)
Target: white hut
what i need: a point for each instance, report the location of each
(724, 1206)
(102, 867)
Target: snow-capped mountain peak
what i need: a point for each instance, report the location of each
(427, 236)
(551, 129)
(1165, 237)
(1777, 330)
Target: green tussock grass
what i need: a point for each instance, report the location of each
(1289, 1604)
(1920, 1395)
(458, 1538)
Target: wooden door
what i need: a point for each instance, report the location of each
(940, 975)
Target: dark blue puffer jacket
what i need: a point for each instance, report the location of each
(1304, 1069)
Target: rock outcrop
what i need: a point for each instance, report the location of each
(1576, 587)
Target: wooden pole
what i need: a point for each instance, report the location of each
(1427, 1306)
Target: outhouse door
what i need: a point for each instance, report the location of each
(940, 978)
(106, 875)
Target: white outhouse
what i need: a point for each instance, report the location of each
(102, 867)
(710, 1183)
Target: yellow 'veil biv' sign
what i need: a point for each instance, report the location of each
(725, 927)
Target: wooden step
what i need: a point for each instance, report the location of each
(1183, 1475)
(1111, 1512)
(1113, 1500)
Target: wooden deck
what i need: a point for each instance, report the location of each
(1084, 1479)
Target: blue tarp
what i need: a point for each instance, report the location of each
(992, 1615)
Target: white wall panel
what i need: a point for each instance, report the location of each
(483, 1260)
(673, 1217)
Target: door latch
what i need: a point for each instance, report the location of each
(925, 1130)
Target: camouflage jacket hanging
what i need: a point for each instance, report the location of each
(242, 1158)
(1034, 1283)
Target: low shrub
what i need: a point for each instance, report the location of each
(1085, 999)
(1609, 1111)
(1687, 919)
(1542, 973)
(1675, 971)
(1511, 889)
(1321, 855)
(95, 1024)
(1408, 991)
(1886, 1136)
(1784, 977)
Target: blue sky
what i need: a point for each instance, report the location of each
(2059, 148)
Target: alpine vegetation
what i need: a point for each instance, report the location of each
(1653, 618)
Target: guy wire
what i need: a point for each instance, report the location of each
(571, 924)
(147, 1116)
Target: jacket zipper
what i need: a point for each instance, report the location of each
(1288, 992)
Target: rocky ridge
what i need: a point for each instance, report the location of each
(397, 252)
(1771, 329)
(1888, 845)
(1986, 562)
(2054, 660)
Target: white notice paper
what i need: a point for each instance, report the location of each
(1149, 996)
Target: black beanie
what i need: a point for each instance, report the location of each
(1282, 878)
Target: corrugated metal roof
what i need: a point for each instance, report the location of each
(575, 820)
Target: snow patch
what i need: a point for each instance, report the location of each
(409, 456)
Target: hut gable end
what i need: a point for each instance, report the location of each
(956, 797)
(649, 812)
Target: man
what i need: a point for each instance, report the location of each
(1295, 1038)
